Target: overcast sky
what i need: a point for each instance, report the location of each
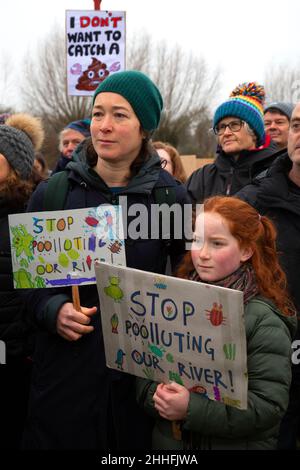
(241, 38)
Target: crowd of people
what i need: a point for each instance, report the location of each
(66, 397)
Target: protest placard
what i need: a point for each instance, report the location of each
(95, 48)
(168, 329)
(58, 248)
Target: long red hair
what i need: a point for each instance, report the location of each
(254, 231)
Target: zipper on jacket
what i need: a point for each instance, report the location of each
(229, 182)
(114, 199)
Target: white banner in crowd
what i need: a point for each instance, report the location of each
(168, 329)
(58, 248)
(95, 48)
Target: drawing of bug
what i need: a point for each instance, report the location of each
(215, 315)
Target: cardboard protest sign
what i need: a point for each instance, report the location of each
(95, 48)
(58, 248)
(164, 328)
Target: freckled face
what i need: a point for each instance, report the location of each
(217, 254)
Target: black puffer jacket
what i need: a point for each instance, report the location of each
(226, 176)
(14, 330)
(76, 402)
(276, 196)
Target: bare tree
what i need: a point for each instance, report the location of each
(7, 85)
(46, 84)
(45, 91)
(282, 83)
(186, 84)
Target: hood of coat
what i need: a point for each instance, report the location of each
(289, 321)
(143, 182)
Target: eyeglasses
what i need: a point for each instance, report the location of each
(163, 163)
(234, 126)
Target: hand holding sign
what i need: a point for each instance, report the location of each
(161, 325)
(171, 401)
(71, 324)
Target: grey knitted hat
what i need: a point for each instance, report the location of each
(20, 137)
(285, 108)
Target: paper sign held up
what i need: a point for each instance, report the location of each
(95, 48)
(58, 248)
(168, 329)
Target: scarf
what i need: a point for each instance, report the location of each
(242, 279)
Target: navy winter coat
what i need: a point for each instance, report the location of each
(276, 196)
(76, 402)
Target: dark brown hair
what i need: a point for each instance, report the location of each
(143, 156)
(16, 190)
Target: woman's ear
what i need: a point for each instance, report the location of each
(246, 253)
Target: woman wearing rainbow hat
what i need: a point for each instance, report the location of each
(244, 151)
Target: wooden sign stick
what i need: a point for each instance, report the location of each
(176, 430)
(76, 298)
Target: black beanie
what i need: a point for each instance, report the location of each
(20, 137)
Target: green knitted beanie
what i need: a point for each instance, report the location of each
(143, 96)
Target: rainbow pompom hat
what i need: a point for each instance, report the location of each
(245, 102)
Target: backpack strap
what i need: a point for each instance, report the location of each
(58, 187)
(56, 191)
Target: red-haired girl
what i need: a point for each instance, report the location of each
(236, 250)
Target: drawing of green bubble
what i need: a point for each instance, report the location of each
(63, 260)
(41, 259)
(170, 357)
(73, 254)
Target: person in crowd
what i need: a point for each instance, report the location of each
(20, 136)
(76, 401)
(4, 117)
(40, 170)
(277, 195)
(243, 151)
(40, 165)
(277, 116)
(71, 136)
(237, 252)
(170, 160)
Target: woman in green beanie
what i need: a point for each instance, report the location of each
(76, 401)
